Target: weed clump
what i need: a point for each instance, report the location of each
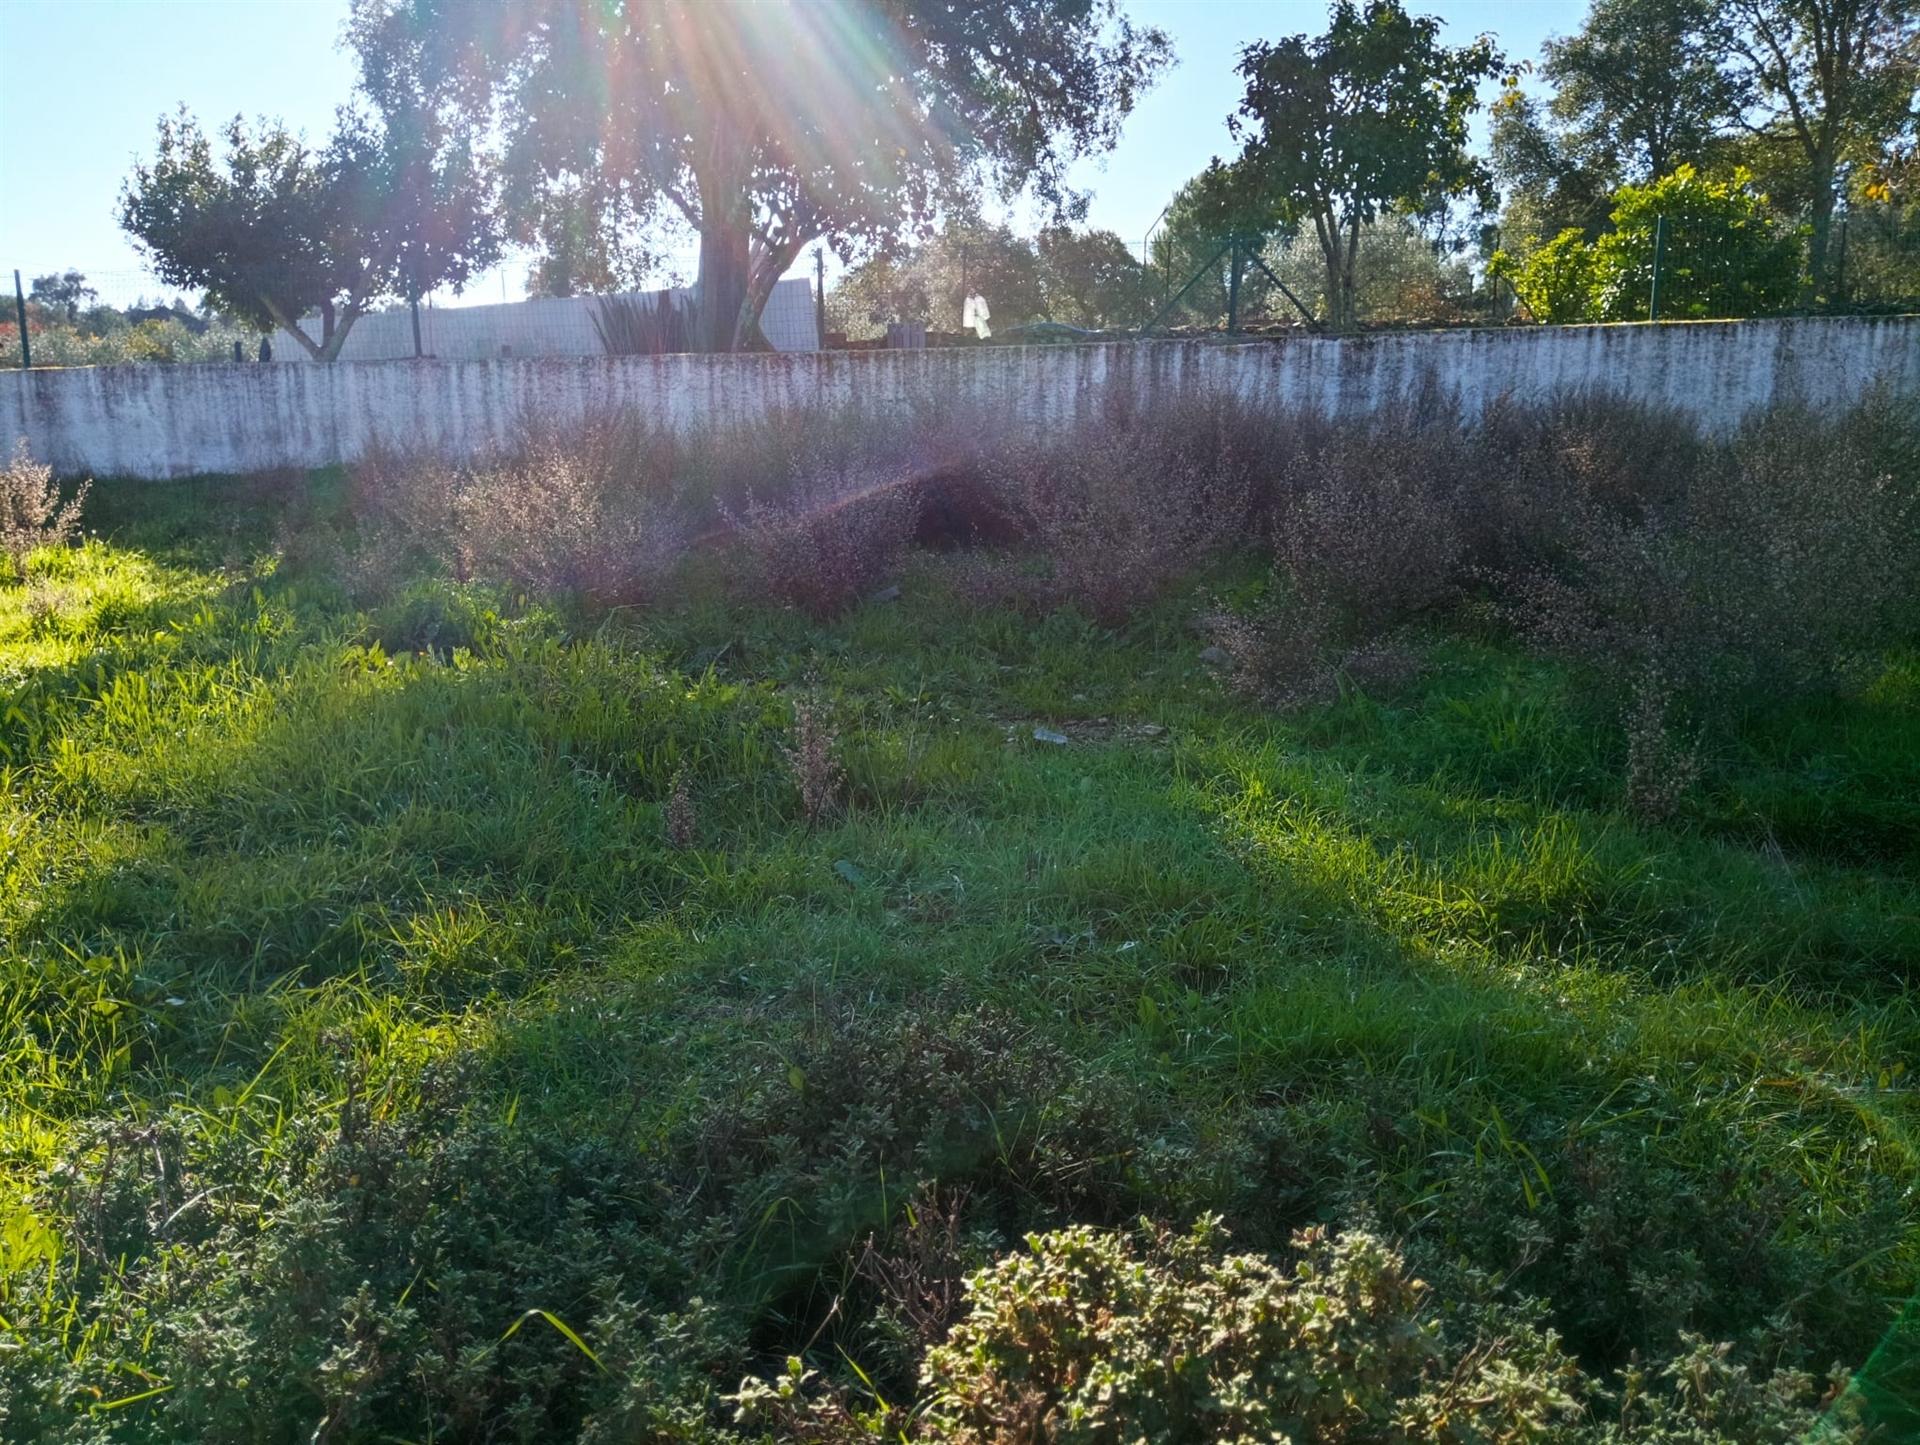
(813, 761)
(34, 512)
(1123, 509)
(681, 823)
(829, 542)
(577, 513)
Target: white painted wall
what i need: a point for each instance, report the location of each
(173, 421)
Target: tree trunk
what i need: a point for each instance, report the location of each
(769, 264)
(724, 272)
(1328, 232)
(726, 239)
(1818, 269)
(337, 335)
(333, 330)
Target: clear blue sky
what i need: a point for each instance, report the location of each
(83, 81)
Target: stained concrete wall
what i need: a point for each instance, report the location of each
(172, 421)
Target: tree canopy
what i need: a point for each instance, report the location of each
(1829, 76)
(1818, 98)
(1368, 118)
(63, 291)
(1721, 254)
(1084, 278)
(1640, 89)
(1221, 202)
(764, 128)
(272, 229)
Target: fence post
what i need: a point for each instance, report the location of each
(1233, 288)
(20, 310)
(820, 297)
(1659, 256)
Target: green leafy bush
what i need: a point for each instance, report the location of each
(1092, 1336)
(1720, 255)
(1558, 283)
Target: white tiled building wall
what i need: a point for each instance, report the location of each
(544, 326)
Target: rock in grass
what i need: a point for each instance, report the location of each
(1215, 656)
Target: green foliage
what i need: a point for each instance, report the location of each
(655, 325)
(1640, 88)
(1722, 254)
(62, 292)
(1091, 1338)
(1367, 119)
(929, 282)
(1558, 283)
(430, 1009)
(1222, 201)
(273, 231)
(1402, 275)
(766, 125)
(1090, 278)
(1826, 80)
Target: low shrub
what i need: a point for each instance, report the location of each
(364, 1281)
(406, 509)
(1093, 1335)
(1784, 565)
(1290, 651)
(829, 542)
(1123, 509)
(1367, 530)
(437, 617)
(587, 512)
(34, 511)
(1096, 1335)
(367, 1272)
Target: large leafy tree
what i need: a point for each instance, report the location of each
(1640, 87)
(1367, 119)
(1831, 76)
(1222, 203)
(1086, 278)
(1639, 90)
(930, 282)
(767, 127)
(1548, 185)
(273, 229)
(65, 292)
(1090, 278)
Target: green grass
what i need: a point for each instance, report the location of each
(1406, 959)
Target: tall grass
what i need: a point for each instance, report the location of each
(403, 934)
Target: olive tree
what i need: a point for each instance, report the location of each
(764, 128)
(273, 229)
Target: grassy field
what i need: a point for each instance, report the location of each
(439, 1019)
